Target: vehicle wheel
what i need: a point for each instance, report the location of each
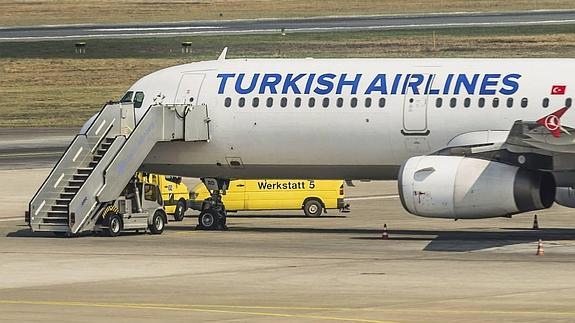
(208, 220)
(114, 225)
(180, 210)
(312, 208)
(158, 223)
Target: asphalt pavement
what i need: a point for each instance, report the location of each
(261, 26)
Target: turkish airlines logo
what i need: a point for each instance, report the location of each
(558, 89)
(553, 122)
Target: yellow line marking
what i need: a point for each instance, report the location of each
(214, 309)
(295, 308)
(198, 309)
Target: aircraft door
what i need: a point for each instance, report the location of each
(189, 88)
(415, 107)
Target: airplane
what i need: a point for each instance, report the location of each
(465, 138)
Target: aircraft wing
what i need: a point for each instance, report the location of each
(542, 144)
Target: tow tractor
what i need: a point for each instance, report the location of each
(139, 207)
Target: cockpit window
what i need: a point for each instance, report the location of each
(127, 97)
(138, 99)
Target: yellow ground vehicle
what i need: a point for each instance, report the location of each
(175, 194)
(313, 196)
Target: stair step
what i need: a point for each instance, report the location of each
(55, 220)
(57, 213)
(85, 170)
(73, 189)
(55, 227)
(101, 151)
(63, 201)
(93, 164)
(75, 183)
(109, 140)
(59, 207)
(67, 194)
(80, 176)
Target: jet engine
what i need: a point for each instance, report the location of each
(565, 196)
(469, 188)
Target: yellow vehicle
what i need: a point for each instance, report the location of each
(175, 194)
(311, 196)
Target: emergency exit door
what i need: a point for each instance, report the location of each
(189, 89)
(415, 109)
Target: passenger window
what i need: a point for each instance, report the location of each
(339, 102)
(481, 102)
(270, 102)
(325, 102)
(255, 102)
(568, 102)
(495, 102)
(438, 102)
(297, 102)
(353, 102)
(467, 102)
(524, 103)
(283, 102)
(242, 102)
(138, 99)
(381, 102)
(453, 102)
(127, 97)
(228, 102)
(311, 102)
(510, 103)
(368, 102)
(546, 102)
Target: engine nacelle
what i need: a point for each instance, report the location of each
(565, 196)
(468, 188)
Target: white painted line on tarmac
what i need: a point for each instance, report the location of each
(378, 197)
(155, 28)
(12, 219)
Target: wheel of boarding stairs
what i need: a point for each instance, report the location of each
(180, 210)
(158, 223)
(312, 207)
(114, 222)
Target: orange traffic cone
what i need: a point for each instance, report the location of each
(385, 236)
(535, 223)
(540, 251)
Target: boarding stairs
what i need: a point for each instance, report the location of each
(99, 163)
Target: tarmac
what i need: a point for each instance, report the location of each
(281, 266)
(289, 25)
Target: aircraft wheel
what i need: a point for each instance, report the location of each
(180, 210)
(209, 220)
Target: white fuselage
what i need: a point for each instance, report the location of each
(342, 137)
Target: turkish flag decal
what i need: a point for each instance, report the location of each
(558, 89)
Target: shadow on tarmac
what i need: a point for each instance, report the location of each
(465, 240)
(439, 240)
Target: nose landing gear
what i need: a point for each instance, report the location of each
(213, 214)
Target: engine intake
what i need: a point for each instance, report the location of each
(469, 188)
